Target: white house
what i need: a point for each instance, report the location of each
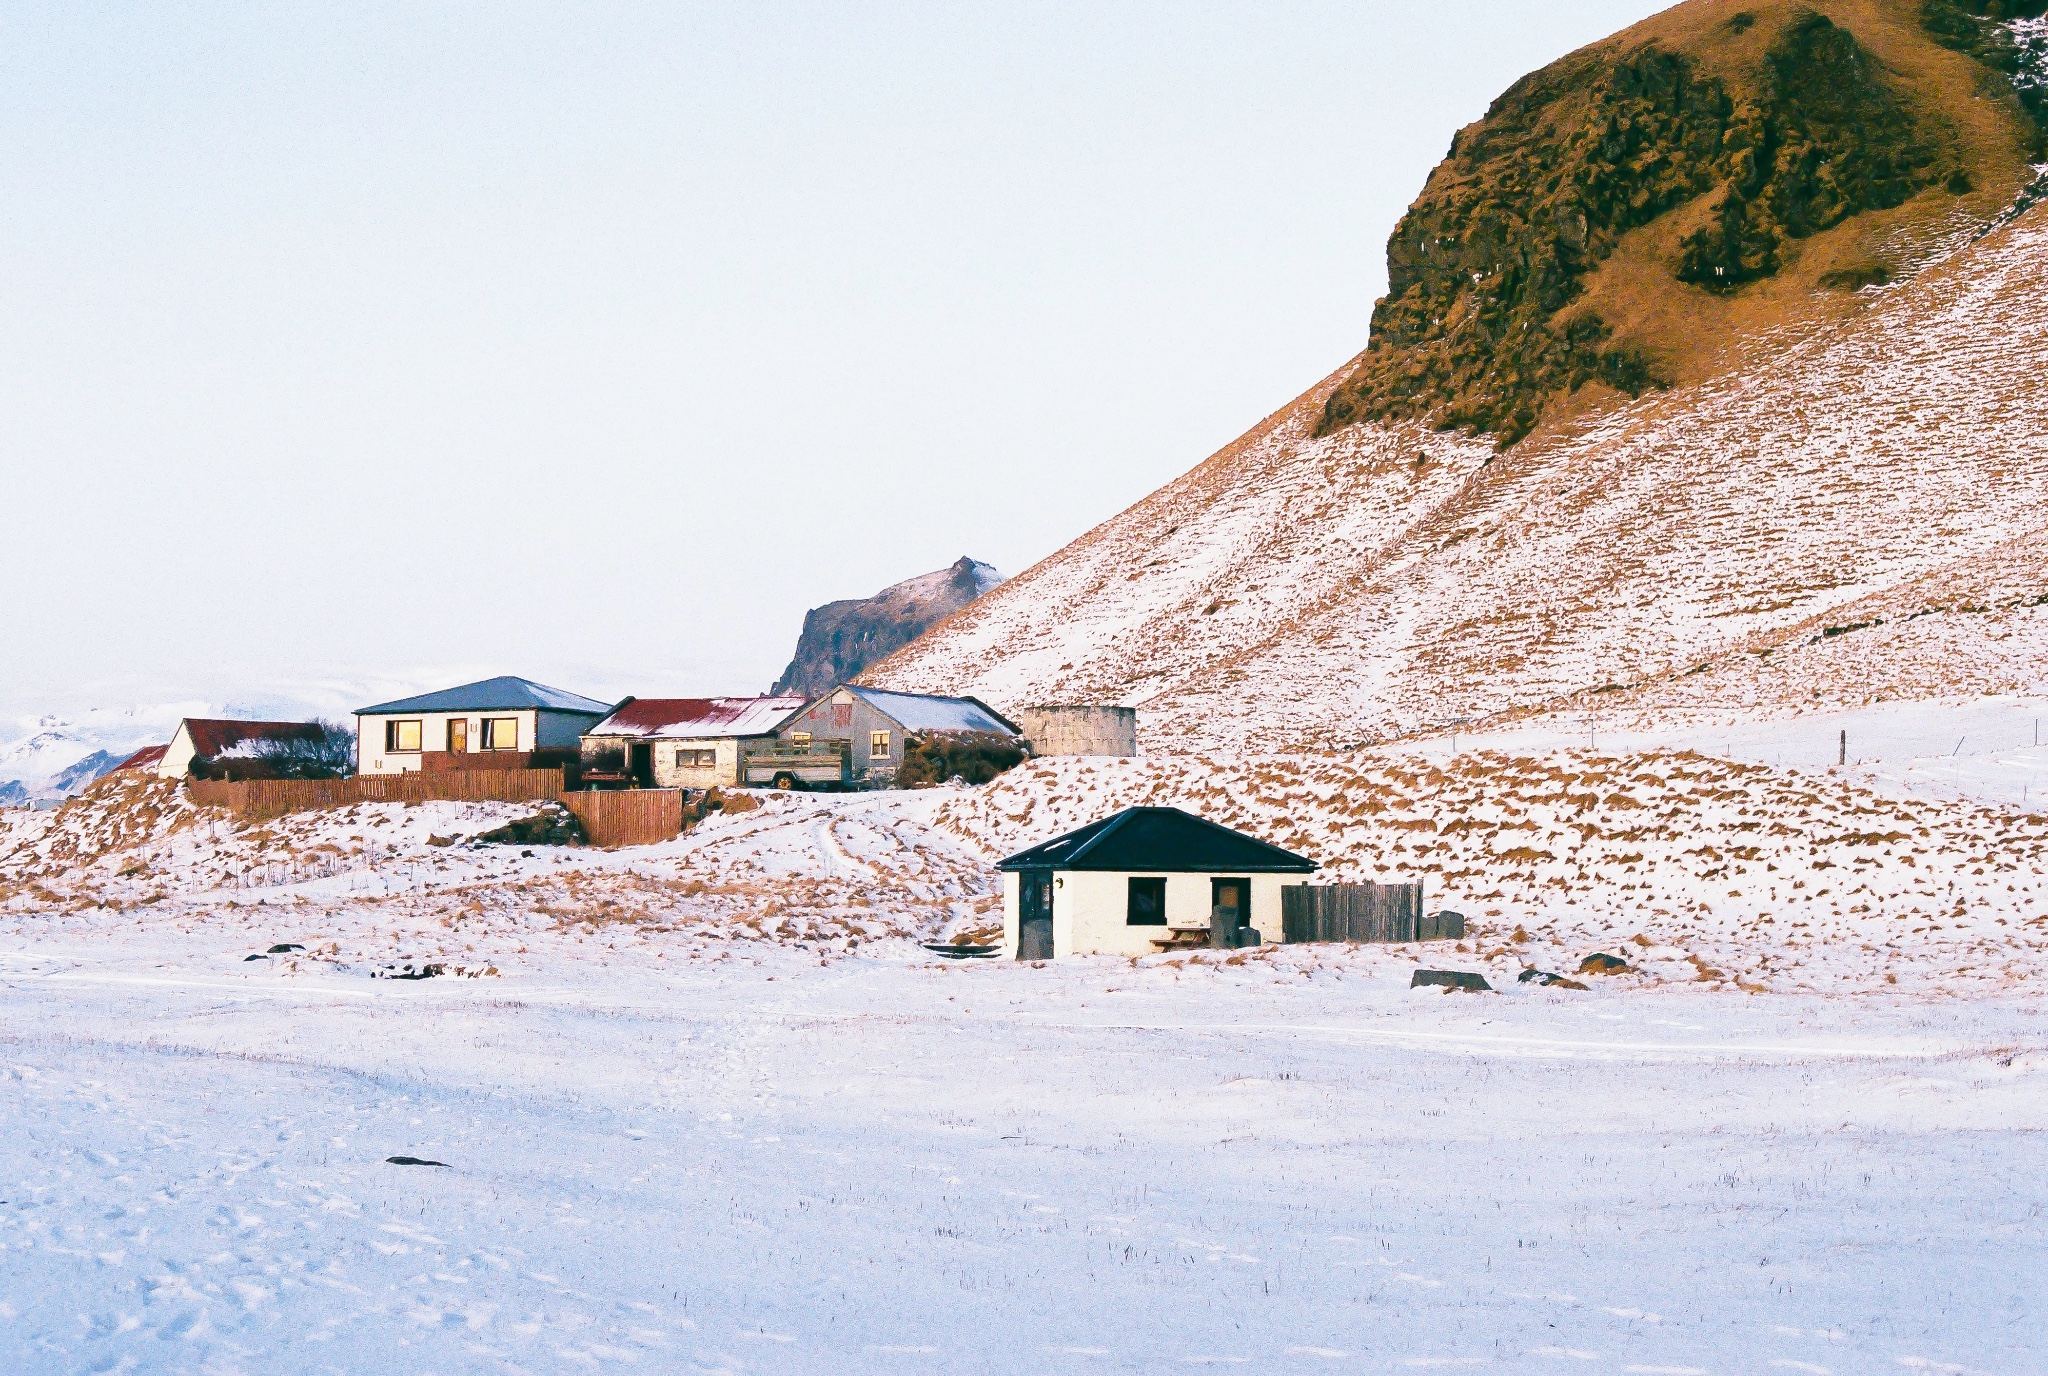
(508, 715)
(1143, 880)
(683, 742)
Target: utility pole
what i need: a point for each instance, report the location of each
(1844, 757)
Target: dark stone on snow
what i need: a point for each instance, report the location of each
(961, 950)
(551, 825)
(1532, 975)
(258, 956)
(408, 972)
(284, 946)
(1450, 979)
(1600, 963)
(411, 1161)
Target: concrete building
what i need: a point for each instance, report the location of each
(497, 719)
(1143, 880)
(204, 738)
(682, 742)
(1080, 730)
(877, 722)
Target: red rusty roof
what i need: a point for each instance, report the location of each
(217, 737)
(699, 718)
(149, 757)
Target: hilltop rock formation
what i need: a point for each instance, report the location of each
(1722, 139)
(840, 639)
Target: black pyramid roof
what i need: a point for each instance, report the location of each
(1159, 840)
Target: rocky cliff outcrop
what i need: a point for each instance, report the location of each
(842, 638)
(1722, 137)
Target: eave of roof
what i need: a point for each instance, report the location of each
(1093, 847)
(505, 693)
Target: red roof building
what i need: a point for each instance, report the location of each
(682, 742)
(200, 737)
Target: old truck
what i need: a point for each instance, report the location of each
(790, 764)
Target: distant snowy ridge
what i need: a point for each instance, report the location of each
(53, 756)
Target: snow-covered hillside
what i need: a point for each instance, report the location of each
(1855, 515)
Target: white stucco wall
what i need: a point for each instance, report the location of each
(723, 773)
(1089, 910)
(177, 760)
(371, 757)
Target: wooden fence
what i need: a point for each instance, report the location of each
(267, 798)
(631, 817)
(1362, 912)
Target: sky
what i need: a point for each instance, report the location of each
(355, 349)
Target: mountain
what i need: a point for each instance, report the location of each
(53, 756)
(1816, 486)
(840, 639)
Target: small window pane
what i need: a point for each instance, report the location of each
(403, 736)
(878, 745)
(501, 733)
(1147, 904)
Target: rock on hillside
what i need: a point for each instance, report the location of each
(1846, 508)
(840, 639)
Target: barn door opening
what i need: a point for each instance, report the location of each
(1230, 911)
(1034, 915)
(640, 764)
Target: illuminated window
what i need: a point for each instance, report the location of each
(402, 737)
(878, 745)
(799, 738)
(501, 733)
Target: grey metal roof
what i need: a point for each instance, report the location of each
(924, 712)
(505, 694)
(1159, 840)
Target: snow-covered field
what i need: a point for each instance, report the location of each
(708, 1106)
(885, 1164)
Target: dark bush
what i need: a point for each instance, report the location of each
(326, 751)
(976, 756)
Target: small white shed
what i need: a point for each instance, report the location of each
(1143, 880)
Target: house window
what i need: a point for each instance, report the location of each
(501, 733)
(878, 745)
(696, 759)
(1147, 904)
(800, 739)
(402, 737)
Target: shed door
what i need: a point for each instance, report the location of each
(458, 735)
(1034, 915)
(1230, 910)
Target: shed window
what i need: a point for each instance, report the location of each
(501, 733)
(800, 738)
(1147, 905)
(402, 736)
(696, 759)
(878, 745)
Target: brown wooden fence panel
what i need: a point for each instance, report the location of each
(267, 798)
(630, 817)
(1359, 912)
